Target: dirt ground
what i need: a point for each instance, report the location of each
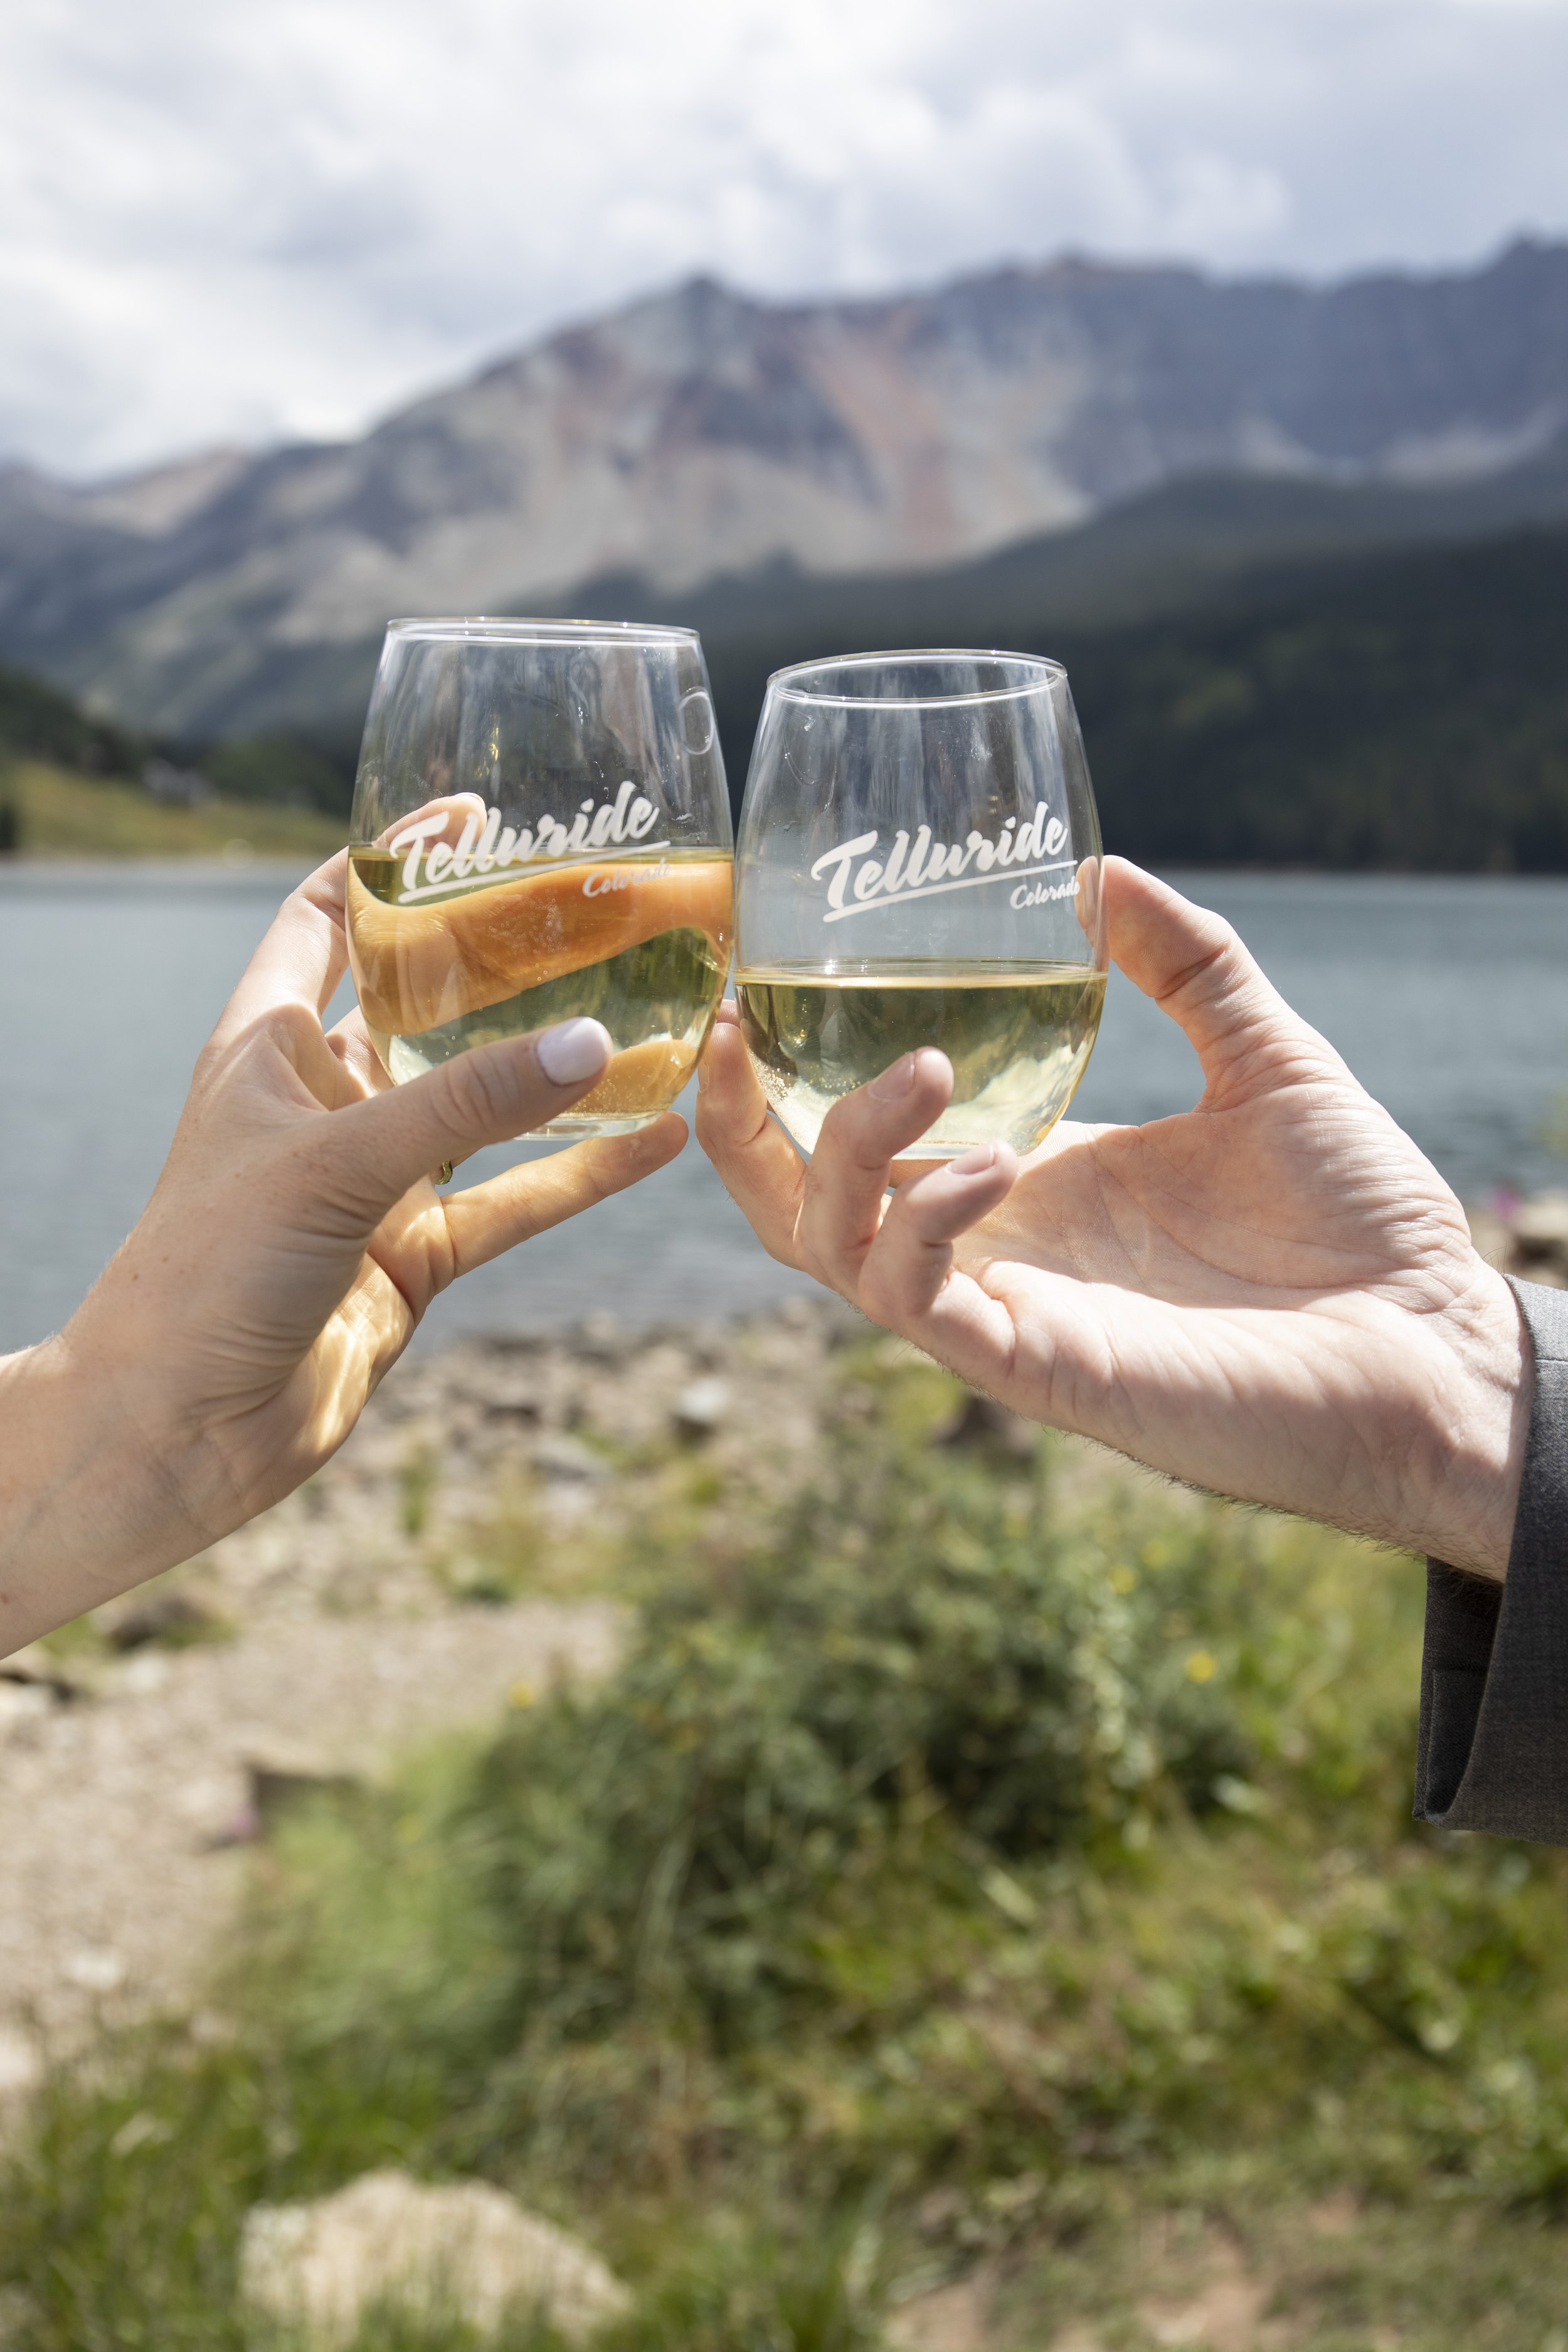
(351, 1621)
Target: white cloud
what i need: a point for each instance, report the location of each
(228, 221)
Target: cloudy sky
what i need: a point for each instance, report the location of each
(230, 221)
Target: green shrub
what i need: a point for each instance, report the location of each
(915, 1644)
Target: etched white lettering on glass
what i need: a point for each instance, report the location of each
(857, 883)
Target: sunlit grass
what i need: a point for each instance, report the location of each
(60, 813)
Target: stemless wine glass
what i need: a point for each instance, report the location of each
(541, 828)
(918, 865)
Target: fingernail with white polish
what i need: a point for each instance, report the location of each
(895, 1082)
(973, 1163)
(573, 1050)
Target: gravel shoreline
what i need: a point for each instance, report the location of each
(363, 1615)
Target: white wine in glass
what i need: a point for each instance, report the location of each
(541, 830)
(1018, 1042)
(918, 866)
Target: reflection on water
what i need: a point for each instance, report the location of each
(1449, 999)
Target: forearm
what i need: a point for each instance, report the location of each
(88, 1505)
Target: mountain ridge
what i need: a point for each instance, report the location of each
(701, 432)
(1188, 545)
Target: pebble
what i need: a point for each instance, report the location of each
(21, 2062)
(699, 1408)
(23, 1702)
(94, 1970)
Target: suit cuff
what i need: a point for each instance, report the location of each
(1493, 1750)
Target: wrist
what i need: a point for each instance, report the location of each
(1464, 1455)
(89, 1502)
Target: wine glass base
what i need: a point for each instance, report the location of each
(925, 1154)
(571, 1129)
(926, 1151)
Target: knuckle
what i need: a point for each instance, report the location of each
(855, 1155)
(599, 1172)
(283, 1032)
(868, 1157)
(713, 1129)
(877, 1295)
(840, 1125)
(210, 1064)
(481, 1094)
(813, 1260)
(1220, 963)
(899, 1282)
(288, 1026)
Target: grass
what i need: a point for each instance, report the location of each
(55, 813)
(970, 1872)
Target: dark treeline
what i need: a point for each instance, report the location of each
(1409, 713)
(300, 774)
(39, 721)
(1397, 710)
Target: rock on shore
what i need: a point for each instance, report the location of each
(467, 2252)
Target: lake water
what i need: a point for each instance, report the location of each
(1449, 999)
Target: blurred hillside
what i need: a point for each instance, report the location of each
(1361, 706)
(48, 812)
(699, 433)
(73, 786)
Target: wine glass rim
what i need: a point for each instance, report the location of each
(790, 684)
(513, 629)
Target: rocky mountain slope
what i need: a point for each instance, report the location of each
(700, 432)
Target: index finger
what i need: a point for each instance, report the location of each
(301, 958)
(851, 1167)
(755, 1161)
(487, 1219)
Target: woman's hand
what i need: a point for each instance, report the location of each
(1273, 1295)
(293, 1241)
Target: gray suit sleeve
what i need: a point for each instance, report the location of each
(1493, 1752)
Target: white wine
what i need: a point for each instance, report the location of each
(1018, 1040)
(641, 943)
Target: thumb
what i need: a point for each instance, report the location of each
(489, 1094)
(1196, 969)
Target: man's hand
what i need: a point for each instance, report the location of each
(293, 1241)
(1274, 1294)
